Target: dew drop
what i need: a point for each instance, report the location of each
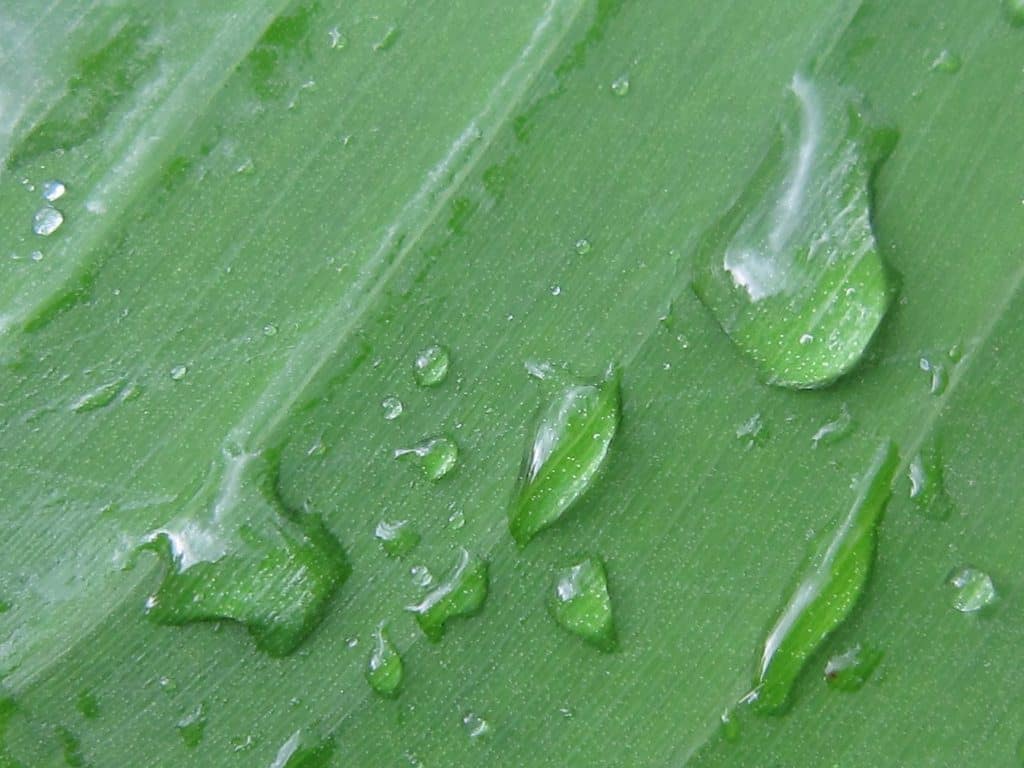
(556, 290)
(475, 725)
(397, 538)
(581, 605)
(946, 62)
(192, 726)
(835, 430)
(53, 190)
(47, 220)
(620, 85)
(462, 592)
(832, 581)
(753, 432)
(179, 372)
(36, 255)
(974, 589)
(849, 670)
(431, 366)
(384, 668)
(436, 457)
(938, 377)
(582, 246)
(392, 408)
(567, 449)
(421, 576)
(792, 271)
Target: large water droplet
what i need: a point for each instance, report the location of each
(461, 593)
(835, 430)
(304, 750)
(475, 725)
(830, 584)
(849, 670)
(927, 488)
(580, 603)
(974, 589)
(792, 271)
(431, 366)
(567, 449)
(397, 538)
(47, 220)
(53, 190)
(436, 456)
(384, 668)
(392, 408)
(192, 726)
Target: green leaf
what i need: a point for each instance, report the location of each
(272, 209)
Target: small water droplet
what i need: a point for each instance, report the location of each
(581, 605)
(475, 725)
(167, 685)
(806, 339)
(53, 190)
(397, 538)
(946, 62)
(192, 726)
(620, 85)
(47, 220)
(270, 329)
(835, 430)
(567, 449)
(352, 642)
(927, 488)
(955, 353)
(436, 457)
(938, 378)
(753, 432)
(431, 366)
(36, 255)
(1013, 10)
(566, 712)
(462, 592)
(421, 576)
(456, 520)
(974, 589)
(392, 408)
(556, 290)
(179, 372)
(582, 246)
(384, 668)
(242, 743)
(849, 670)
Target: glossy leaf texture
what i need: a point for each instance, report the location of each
(273, 210)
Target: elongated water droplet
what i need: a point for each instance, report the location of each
(397, 538)
(849, 670)
(792, 271)
(568, 448)
(753, 431)
(304, 750)
(100, 397)
(431, 366)
(938, 378)
(384, 668)
(580, 603)
(475, 725)
(239, 554)
(47, 220)
(946, 62)
(835, 430)
(830, 584)
(53, 190)
(974, 589)
(1014, 12)
(392, 408)
(436, 456)
(461, 593)
(620, 85)
(192, 726)
(927, 488)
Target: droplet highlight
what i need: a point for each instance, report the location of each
(461, 593)
(581, 605)
(436, 457)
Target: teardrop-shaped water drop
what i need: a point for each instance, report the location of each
(581, 605)
(568, 447)
(396, 538)
(462, 592)
(849, 670)
(436, 456)
(384, 668)
(430, 367)
(792, 272)
(828, 587)
(974, 589)
(192, 726)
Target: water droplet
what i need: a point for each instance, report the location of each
(431, 366)
(97, 398)
(835, 430)
(556, 290)
(849, 670)
(270, 329)
(336, 38)
(946, 62)
(620, 85)
(456, 520)
(753, 432)
(388, 40)
(475, 725)
(36, 255)
(939, 379)
(730, 726)
(242, 743)
(392, 408)
(1014, 12)
(462, 592)
(927, 488)
(974, 589)
(179, 372)
(582, 246)
(167, 685)
(192, 725)
(397, 538)
(53, 190)
(436, 456)
(47, 220)
(832, 581)
(421, 576)
(955, 353)
(384, 668)
(568, 448)
(792, 271)
(581, 605)
(304, 750)
(566, 712)
(88, 705)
